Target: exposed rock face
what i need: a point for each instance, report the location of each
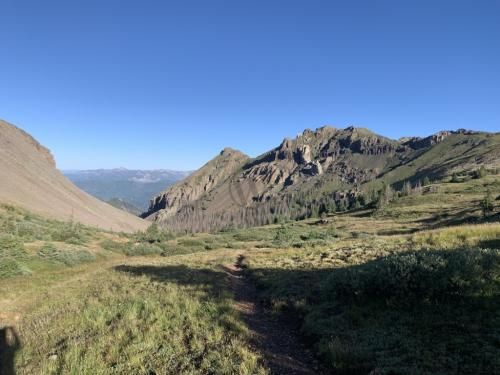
(419, 143)
(304, 154)
(199, 183)
(28, 178)
(312, 169)
(248, 192)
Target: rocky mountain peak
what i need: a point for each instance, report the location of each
(228, 151)
(324, 162)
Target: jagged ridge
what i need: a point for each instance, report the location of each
(339, 163)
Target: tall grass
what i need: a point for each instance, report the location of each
(151, 316)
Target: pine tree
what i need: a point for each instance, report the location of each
(406, 188)
(487, 204)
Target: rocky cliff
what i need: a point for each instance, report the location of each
(196, 185)
(325, 164)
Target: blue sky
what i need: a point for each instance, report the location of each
(168, 84)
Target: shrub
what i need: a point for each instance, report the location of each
(71, 233)
(11, 247)
(153, 234)
(479, 173)
(12, 257)
(143, 249)
(117, 247)
(30, 231)
(419, 277)
(11, 267)
(50, 253)
(487, 204)
(283, 235)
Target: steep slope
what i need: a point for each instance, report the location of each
(125, 206)
(326, 166)
(196, 185)
(29, 179)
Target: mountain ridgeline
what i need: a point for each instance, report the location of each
(320, 171)
(29, 179)
(134, 188)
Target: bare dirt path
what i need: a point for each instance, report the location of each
(278, 343)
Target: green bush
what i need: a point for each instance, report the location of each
(284, 235)
(117, 247)
(11, 247)
(419, 277)
(479, 173)
(10, 267)
(325, 234)
(154, 234)
(254, 234)
(410, 313)
(12, 257)
(29, 231)
(49, 252)
(487, 204)
(71, 233)
(142, 249)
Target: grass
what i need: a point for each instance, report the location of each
(387, 309)
(151, 315)
(413, 289)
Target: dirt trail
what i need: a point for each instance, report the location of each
(277, 342)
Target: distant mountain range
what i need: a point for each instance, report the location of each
(133, 188)
(319, 171)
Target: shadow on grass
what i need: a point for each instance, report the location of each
(208, 281)
(282, 354)
(9, 345)
(451, 217)
(419, 312)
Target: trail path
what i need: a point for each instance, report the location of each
(277, 342)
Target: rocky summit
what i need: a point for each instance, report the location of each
(318, 170)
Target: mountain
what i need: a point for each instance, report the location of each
(125, 206)
(29, 178)
(134, 186)
(319, 170)
(198, 184)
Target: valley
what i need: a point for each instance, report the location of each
(160, 302)
(129, 190)
(250, 187)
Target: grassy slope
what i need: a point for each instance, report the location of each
(174, 314)
(390, 295)
(110, 313)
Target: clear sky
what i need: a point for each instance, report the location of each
(168, 84)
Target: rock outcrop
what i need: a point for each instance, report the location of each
(196, 185)
(326, 162)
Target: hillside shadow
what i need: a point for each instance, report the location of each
(9, 345)
(462, 217)
(359, 302)
(210, 282)
(214, 284)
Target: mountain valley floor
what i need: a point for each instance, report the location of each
(410, 288)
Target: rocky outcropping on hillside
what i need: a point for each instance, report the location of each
(199, 183)
(327, 164)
